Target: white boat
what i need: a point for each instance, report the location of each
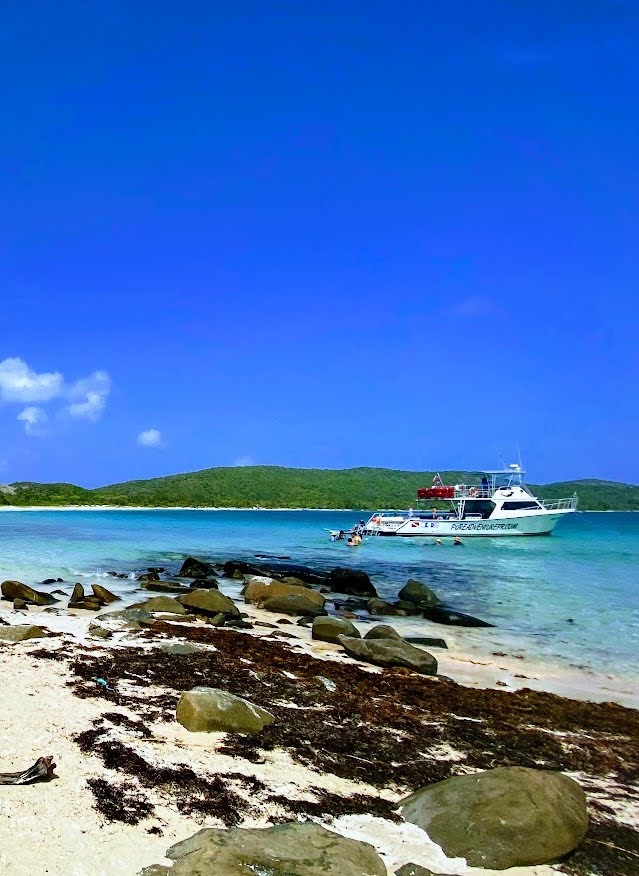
(500, 505)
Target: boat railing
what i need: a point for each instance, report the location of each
(560, 504)
(472, 492)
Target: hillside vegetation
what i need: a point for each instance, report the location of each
(277, 487)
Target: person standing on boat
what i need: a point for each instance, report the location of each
(410, 513)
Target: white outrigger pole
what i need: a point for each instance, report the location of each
(500, 505)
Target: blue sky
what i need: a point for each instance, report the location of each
(318, 234)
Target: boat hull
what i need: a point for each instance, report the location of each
(537, 524)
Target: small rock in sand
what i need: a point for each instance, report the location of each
(327, 629)
(295, 605)
(20, 633)
(207, 709)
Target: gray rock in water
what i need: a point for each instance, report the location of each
(194, 568)
(327, 629)
(451, 618)
(381, 607)
(390, 652)
(165, 587)
(20, 633)
(209, 602)
(207, 709)
(161, 603)
(17, 590)
(506, 817)
(351, 581)
(383, 631)
(419, 594)
(284, 850)
(294, 605)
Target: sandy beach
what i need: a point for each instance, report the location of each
(117, 803)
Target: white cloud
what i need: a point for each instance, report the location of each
(244, 460)
(150, 438)
(91, 394)
(18, 383)
(33, 419)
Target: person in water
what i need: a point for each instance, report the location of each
(438, 541)
(457, 540)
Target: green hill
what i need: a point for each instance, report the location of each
(277, 487)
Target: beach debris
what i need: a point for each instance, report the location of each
(17, 590)
(500, 818)
(440, 615)
(390, 652)
(194, 568)
(296, 604)
(101, 682)
(209, 602)
(294, 848)
(419, 594)
(208, 709)
(327, 629)
(40, 771)
(19, 633)
(353, 581)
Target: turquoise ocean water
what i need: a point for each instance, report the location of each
(571, 597)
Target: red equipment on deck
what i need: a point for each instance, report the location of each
(441, 492)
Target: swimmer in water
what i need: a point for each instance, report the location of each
(458, 540)
(438, 541)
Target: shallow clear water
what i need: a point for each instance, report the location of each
(573, 597)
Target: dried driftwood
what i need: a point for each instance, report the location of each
(41, 771)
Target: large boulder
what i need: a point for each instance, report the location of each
(207, 709)
(419, 594)
(382, 631)
(17, 590)
(209, 602)
(294, 849)
(103, 595)
(20, 633)
(506, 817)
(327, 629)
(294, 604)
(165, 604)
(351, 581)
(194, 568)
(259, 589)
(378, 606)
(77, 595)
(452, 618)
(390, 652)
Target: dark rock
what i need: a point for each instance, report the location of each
(165, 587)
(294, 849)
(506, 817)
(453, 618)
(419, 594)
(77, 595)
(327, 629)
(50, 581)
(383, 631)
(194, 568)
(408, 607)
(294, 604)
(104, 596)
(19, 604)
(390, 652)
(306, 621)
(351, 581)
(99, 632)
(149, 576)
(158, 569)
(87, 604)
(218, 620)
(238, 623)
(16, 590)
(427, 641)
(20, 633)
(207, 710)
(381, 607)
(205, 584)
(210, 603)
(415, 870)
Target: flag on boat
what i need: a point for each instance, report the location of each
(437, 480)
